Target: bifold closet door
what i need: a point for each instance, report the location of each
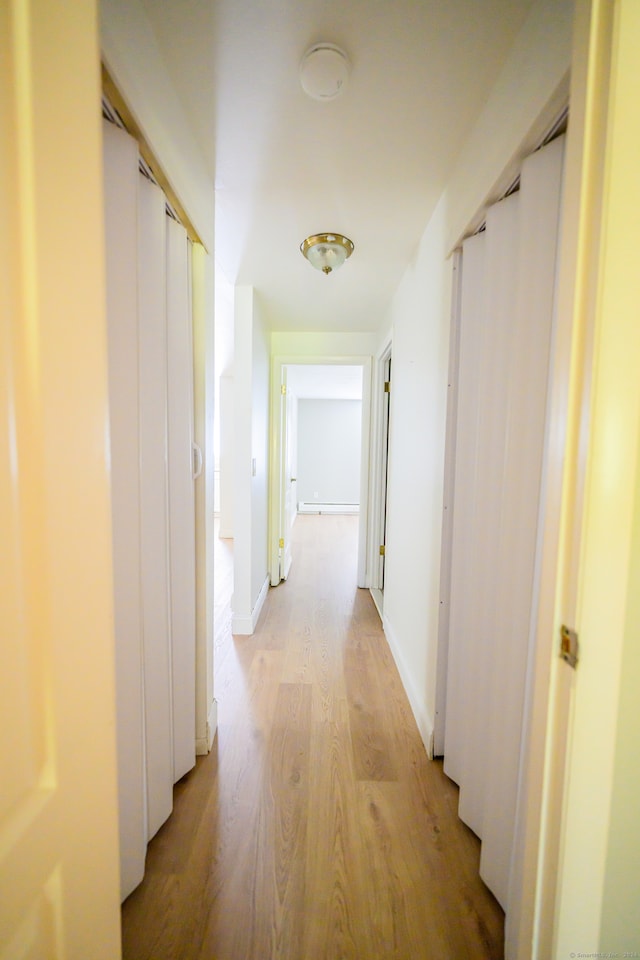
(121, 238)
(506, 327)
(182, 548)
(522, 488)
(152, 326)
(492, 294)
(462, 671)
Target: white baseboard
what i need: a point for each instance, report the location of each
(315, 507)
(204, 744)
(246, 625)
(424, 722)
(378, 599)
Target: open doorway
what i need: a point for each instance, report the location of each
(320, 450)
(380, 473)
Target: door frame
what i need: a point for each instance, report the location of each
(276, 454)
(378, 471)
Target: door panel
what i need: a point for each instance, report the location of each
(154, 544)
(285, 480)
(181, 498)
(121, 228)
(289, 478)
(58, 800)
(386, 412)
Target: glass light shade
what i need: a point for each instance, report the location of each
(326, 251)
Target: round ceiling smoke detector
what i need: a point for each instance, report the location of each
(324, 71)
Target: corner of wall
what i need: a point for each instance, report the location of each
(416, 701)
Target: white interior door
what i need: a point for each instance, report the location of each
(291, 459)
(154, 546)
(285, 480)
(384, 470)
(58, 800)
(182, 548)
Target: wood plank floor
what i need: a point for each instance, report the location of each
(316, 829)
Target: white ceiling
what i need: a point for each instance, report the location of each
(370, 164)
(310, 381)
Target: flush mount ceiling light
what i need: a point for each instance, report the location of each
(326, 251)
(324, 71)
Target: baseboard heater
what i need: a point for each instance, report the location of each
(316, 507)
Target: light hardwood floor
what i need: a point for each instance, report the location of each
(316, 829)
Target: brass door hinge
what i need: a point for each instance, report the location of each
(382, 549)
(281, 543)
(387, 386)
(569, 645)
(283, 388)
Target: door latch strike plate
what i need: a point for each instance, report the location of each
(569, 645)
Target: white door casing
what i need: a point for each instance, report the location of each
(377, 471)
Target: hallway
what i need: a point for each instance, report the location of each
(316, 829)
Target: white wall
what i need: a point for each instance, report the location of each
(251, 420)
(204, 403)
(223, 415)
(259, 453)
(420, 319)
(329, 450)
(226, 462)
(528, 91)
(136, 64)
(289, 344)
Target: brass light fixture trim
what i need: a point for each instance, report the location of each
(326, 251)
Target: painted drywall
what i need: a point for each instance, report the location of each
(259, 452)
(531, 81)
(135, 62)
(621, 899)
(531, 88)
(243, 398)
(288, 344)
(204, 404)
(226, 460)
(329, 451)
(251, 418)
(420, 318)
(223, 403)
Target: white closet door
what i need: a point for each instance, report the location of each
(528, 371)
(461, 677)
(121, 221)
(493, 361)
(507, 297)
(154, 493)
(181, 498)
